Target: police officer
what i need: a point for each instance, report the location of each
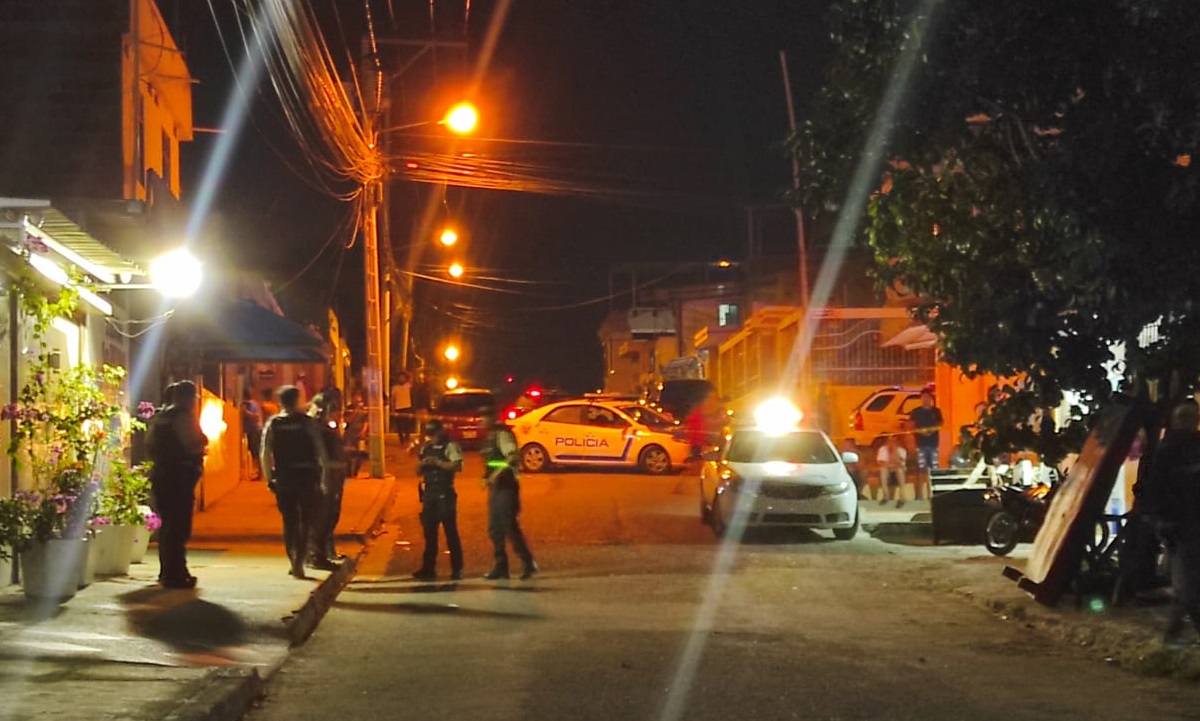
(294, 462)
(501, 456)
(439, 459)
(176, 446)
(328, 417)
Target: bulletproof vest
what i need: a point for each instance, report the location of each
(436, 478)
(292, 443)
(162, 442)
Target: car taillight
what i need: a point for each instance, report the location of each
(511, 413)
(856, 421)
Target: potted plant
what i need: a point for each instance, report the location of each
(66, 424)
(141, 534)
(124, 490)
(12, 530)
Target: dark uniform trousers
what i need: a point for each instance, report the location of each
(504, 504)
(335, 483)
(298, 496)
(440, 508)
(174, 488)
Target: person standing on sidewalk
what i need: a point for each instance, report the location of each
(252, 425)
(328, 417)
(500, 457)
(176, 446)
(1172, 499)
(927, 421)
(439, 459)
(402, 406)
(893, 467)
(294, 462)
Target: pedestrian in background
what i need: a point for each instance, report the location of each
(892, 460)
(294, 462)
(252, 424)
(501, 456)
(354, 433)
(927, 421)
(328, 418)
(401, 402)
(422, 399)
(439, 459)
(1172, 499)
(270, 408)
(176, 446)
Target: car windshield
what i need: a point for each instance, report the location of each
(647, 417)
(467, 403)
(797, 447)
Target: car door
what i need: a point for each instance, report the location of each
(603, 437)
(556, 429)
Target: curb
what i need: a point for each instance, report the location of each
(223, 695)
(227, 694)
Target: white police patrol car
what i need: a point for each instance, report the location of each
(779, 473)
(594, 433)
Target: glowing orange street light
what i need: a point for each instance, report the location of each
(462, 118)
(451, 353)
(451, 383)
(448, 237)
(455, 270)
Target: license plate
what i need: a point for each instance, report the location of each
(470, 434)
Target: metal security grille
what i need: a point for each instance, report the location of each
(850, 352)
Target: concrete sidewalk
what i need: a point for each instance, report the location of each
(125, 648)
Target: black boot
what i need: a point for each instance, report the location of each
(531, 569)
(497, 573)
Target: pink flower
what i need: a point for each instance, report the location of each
(153, 522)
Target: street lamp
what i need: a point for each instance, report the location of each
(462, 118)
(176, 273)
(451, 353)
(451, 383)
(448, 237)
(455, 270)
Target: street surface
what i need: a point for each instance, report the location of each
(628, 621)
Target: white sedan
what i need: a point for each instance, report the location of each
(594, 433)
(790, 478)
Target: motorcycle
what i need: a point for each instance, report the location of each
(1016, 515)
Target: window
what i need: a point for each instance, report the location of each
(596, 416)
(727, 315)
(910, 403)
(481, 403)
(566, 414)
(879, 403)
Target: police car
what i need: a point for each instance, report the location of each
(779, 473)
(589, 432)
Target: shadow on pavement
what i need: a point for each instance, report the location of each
(413, 587)
(181, 619)
(427, 609)
(782, 536)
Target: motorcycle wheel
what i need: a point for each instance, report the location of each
(1000, 533)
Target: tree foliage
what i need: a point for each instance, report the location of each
(1040, 193)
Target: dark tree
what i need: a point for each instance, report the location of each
(1039, 192)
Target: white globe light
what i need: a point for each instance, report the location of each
(176, 273)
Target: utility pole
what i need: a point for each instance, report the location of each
(372, 198)
(801, 241)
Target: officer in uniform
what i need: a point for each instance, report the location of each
(328, 417)
(294, 463)
(439, 459)
(501, 457)
(176, 446)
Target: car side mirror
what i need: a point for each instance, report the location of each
(849, 458)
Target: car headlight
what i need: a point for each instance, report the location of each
(730, 481)
(836, 489)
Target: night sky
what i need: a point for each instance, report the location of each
(679, 100)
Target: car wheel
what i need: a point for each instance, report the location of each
(846, 534)
(533, 458)
(654, 460)
(1000, 533)
(715, 520)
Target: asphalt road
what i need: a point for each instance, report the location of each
(640, 614)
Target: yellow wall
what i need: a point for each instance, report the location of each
(223, 467)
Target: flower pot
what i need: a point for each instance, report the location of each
(141, 541)
(114, 550)
(87, 570)
(52, 569)
(6, 567)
